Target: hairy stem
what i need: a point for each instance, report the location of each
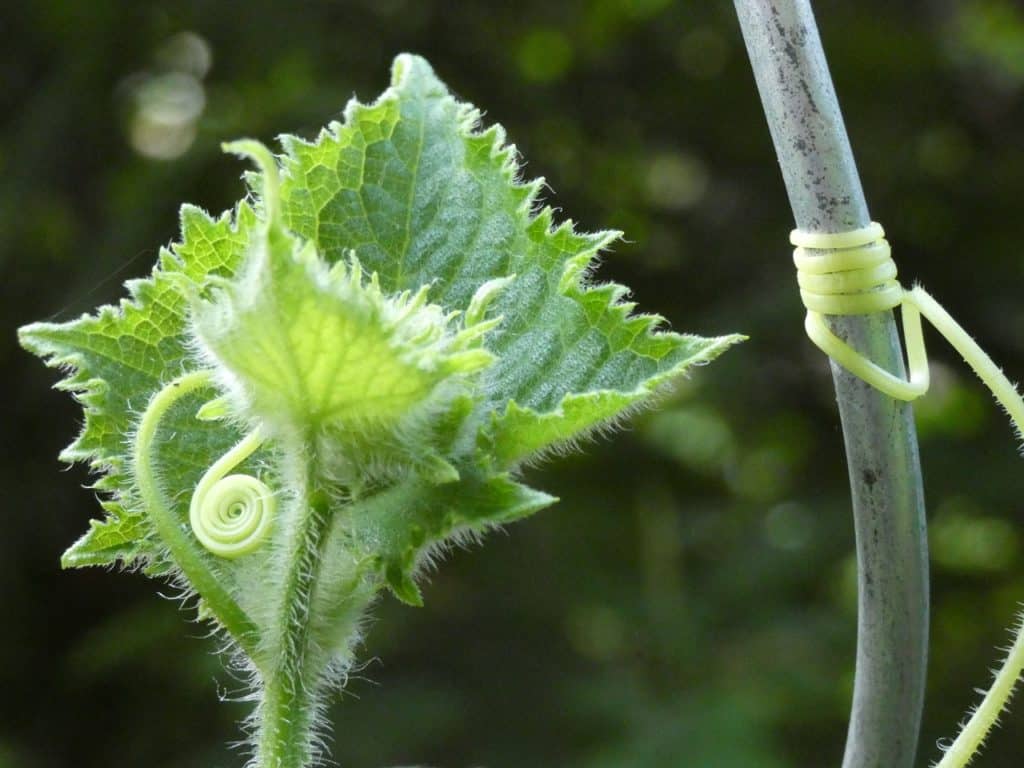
(287, 714)
(186, 550)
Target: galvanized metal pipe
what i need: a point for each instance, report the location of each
(881, 443)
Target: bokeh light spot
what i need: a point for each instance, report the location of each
(168, 101)
(787, 526)
(676, 180)
(962, 538)
(186, 52)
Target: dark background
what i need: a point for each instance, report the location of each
(691, 601)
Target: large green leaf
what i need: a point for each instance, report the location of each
(424, 197)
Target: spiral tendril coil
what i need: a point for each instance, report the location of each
(231, 515)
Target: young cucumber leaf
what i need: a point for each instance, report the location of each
(367, 351)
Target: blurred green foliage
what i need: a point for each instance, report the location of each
(691, 601)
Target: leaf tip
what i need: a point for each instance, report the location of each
(402, 585)
(411, 72)
(257, 152)
(28, 337)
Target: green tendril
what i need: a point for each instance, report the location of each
(852, 273)
(185, 549)
(232, 514)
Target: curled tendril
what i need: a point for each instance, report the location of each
(852, 273)
(232, 514)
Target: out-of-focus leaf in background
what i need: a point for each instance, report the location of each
(691, 601)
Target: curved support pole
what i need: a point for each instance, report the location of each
(881, 443)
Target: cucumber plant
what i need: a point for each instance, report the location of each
(316, 392)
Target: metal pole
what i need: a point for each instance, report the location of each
(881, 444)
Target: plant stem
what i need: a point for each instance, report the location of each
(288, 711)
(881, 444)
